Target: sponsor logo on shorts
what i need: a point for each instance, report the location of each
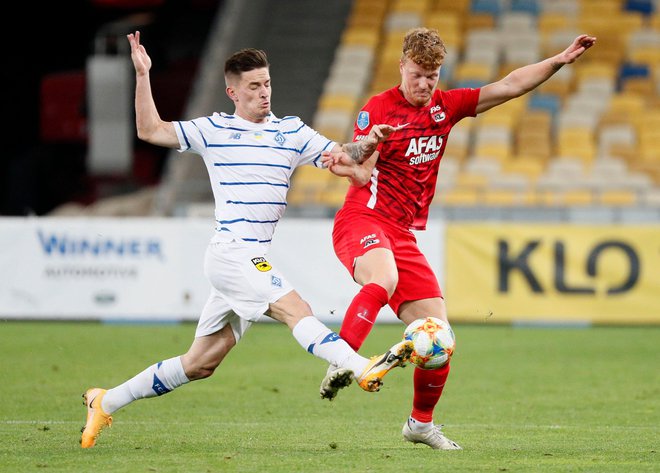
(261, 264)
(369, 240)
(368, 237)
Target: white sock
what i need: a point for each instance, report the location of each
(323, 343)
(158, 379)
(417, 426)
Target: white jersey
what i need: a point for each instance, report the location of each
(250, 167)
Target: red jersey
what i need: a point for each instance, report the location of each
(403, 182)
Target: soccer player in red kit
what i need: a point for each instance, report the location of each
(372, 231)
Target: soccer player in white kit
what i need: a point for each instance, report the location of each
(250, 157)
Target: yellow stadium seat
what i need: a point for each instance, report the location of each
(307, 184)
(588, 70)
(649, 55)
(549, 22)
(500, 151)
(417, 6)
(458, 6)
(467, 180)
(477, 21)
(361, 36)
(458, 197)
(537, 145)
(576, 142)
(654, 21)
(618, 197)
(576, 197)
(530, 166)
(333, 195)
(444, 21)
(338, 102)
(643, 86)
(472, 71)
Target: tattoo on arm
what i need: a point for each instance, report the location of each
(556, 66)
(359, 151)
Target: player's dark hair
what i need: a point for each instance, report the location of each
(245, 60)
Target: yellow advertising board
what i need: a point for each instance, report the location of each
(544, 272)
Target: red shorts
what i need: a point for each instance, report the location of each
(358, 230)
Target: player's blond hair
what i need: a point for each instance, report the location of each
(424, 47)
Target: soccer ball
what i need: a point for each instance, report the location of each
(433, 340)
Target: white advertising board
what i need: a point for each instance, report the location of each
(152, 268)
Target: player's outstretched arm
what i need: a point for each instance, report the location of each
(361, 150)
(150, 127)
(356, 160)
(527, 78)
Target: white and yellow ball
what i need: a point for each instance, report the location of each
(434, 342)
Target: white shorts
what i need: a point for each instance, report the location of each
(243, 285)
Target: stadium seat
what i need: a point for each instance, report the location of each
(645, 7)
(472, 74)
(545, 101)
(417, 6)
(576, 143)
(516, 21)
(307, 183)
(510, 181)
(458, 197)
(479, 21)
(549, 22)
(568, 167)
(567, 7)
(361, 36)
(402, 21)
(469, 180)
(333, 194)
(507, 198)
(529, 166)
(334, 124)
(616, 135)
(491, 7)
(618, 197)
(651, 197)
(527, 6)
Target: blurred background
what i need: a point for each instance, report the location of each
(584, 148)
(588, 139)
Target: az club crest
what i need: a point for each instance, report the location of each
(261, 264)
(279, 138)
(437, 113)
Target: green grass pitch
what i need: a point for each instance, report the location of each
(518, 400)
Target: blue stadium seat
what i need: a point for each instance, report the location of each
(645, 7)
(527, 6)
(470, 83)
(630, 70)
(492, 7)
(545, 101)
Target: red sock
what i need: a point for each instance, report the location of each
(361, 314)
(428, 388)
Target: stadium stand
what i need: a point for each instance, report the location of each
(587, 137)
